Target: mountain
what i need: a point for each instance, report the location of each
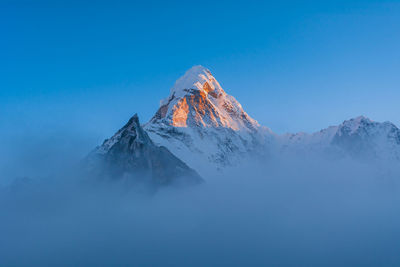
(201, 126)
(131, 155)
(204, 125)
(359, 138)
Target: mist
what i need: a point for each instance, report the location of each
(297, 212)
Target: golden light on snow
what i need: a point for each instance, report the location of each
(197, 99)
(180, 113)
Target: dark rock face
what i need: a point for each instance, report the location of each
(131, 154)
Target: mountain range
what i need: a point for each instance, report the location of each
(201, 126)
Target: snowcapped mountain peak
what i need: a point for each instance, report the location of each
(200, 118)
(359, 119)
(198, 100)
(359, 137)
(196, 78)
(354, 124)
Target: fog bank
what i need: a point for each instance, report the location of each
(297, 212)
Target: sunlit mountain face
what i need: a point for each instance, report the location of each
(200, 122)
(198, 100)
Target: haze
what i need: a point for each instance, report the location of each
(73, 73)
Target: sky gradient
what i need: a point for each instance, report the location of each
(294, 66)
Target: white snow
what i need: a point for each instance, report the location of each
(194, 78)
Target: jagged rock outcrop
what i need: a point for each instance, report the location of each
(130, 154)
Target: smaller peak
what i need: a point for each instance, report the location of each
(131, 131)
(133, 126)
(355, 123)
(361, 118)
(357, 120)
(134, 120)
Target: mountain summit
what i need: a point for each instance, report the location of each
(198, 100)
(196, 78)
(200, 121)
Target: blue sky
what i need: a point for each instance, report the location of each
(294, 65)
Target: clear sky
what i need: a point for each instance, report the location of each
(294, 65)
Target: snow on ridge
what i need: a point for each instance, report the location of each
(326, 135)
(355, 123)
(194, 78)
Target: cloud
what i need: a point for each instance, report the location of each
(297, 212)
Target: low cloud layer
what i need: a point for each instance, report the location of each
(282, 212)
